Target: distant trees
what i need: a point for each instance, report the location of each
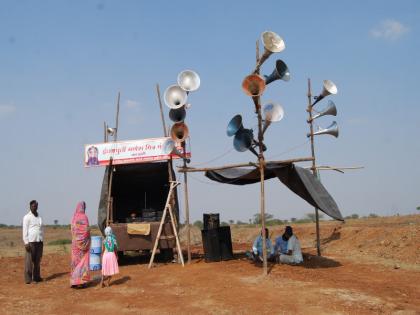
(198, 224)
(352, 216)
(312, 216)
(418, 208)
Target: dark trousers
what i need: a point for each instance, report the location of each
(33, 262)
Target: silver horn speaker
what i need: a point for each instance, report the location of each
(189, 80)
(273, 43)
(234, 125)
(328, 88)
(170, 148)
(179, 132)
(175, 97)
(329, 110)
(177, 114)
(273, 112)
(281, 72)
(330, 130)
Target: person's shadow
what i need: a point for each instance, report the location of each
(55, 275)
(120, 280)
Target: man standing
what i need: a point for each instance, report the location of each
(32, 238)
(294, 253)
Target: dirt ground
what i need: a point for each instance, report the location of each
(369, 266)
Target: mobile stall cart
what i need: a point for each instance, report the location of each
(134, 190)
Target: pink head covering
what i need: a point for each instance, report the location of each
(80, 221)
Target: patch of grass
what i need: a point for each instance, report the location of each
(62, 241)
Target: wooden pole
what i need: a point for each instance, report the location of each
(117, 117)
(187, 208)
(105, 132)
(178, 245)
(309, 110)
(109, 203)
(165, 134)
(204, 169)
(261, 167)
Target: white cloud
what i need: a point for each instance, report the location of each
(389, 30)
(7, 109)
(132, 104)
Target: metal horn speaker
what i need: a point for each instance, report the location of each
(330, 130)
(273, 43)
(253, 85)
(189, 80)
(273, 112)
(177, 114)
(329, 110)
(179, 132)
(175, 97)
(243, 140)
(234, 125)
(169, 148)
(328, 88)
(281, 72)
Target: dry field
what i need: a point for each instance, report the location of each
(369, 266)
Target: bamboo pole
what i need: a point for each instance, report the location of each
(183, 169)
(314, 170)
(187, 208)
(165, 134)
(261, 166)
(117, 117)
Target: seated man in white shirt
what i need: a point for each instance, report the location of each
(294, 254)
(257, 248)
(33, 240)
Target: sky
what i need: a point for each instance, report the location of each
(64, 62)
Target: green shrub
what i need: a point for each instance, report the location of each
(63, 241)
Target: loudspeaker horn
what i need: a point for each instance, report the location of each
(179, 132)
(328, 88)
(234, 125)
(253, 85)
(178, 114)
(281, 72)
(175, 97)
(273, 112)
(244, 140)
(111, 131)
(330, 130)
(329, 110)
(189, 80)
(273, 43)
(170, 148)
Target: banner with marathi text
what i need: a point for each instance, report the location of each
(126, 152)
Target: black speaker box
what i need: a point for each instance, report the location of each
(225, 243)
(217, 244)
(211, 221)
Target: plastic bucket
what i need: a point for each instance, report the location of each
(95, 261)
(96, 245)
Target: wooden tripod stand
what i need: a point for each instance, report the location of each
(168, 208)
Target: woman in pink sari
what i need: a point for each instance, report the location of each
(80, 247)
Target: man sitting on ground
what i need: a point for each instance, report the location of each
(257, 249)
(294, 254)
(280, 246)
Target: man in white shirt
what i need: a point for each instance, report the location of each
(33, 240)
(294, 254)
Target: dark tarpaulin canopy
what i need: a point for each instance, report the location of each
(299, 180)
